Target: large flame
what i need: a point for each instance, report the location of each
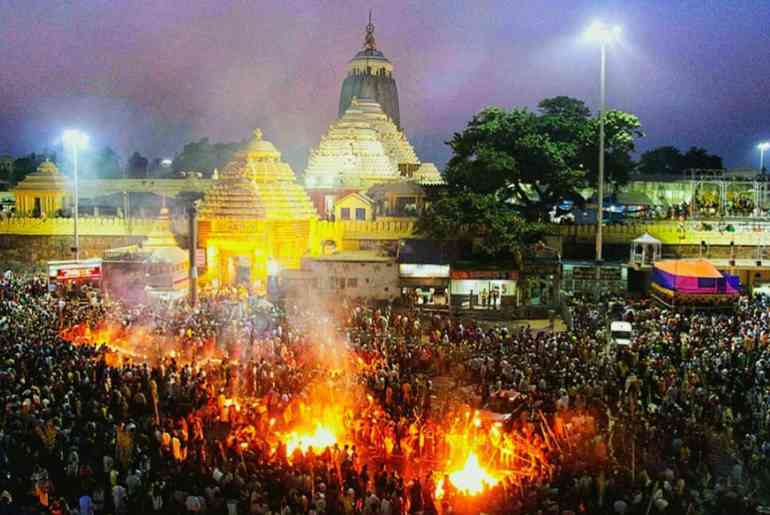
(471, 479)
(322, 438)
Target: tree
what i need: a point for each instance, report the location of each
(661, 160)
(26, 165)
(670, 160)
(137, 166)
(537, 159)
(621, 130)
(201, 156)
(495, 228)
(512, 156)
(697, 157)
(106, 164)
(509, 168)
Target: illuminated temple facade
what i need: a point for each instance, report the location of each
(361, 189)
(365, 146)
(255, 219)
(45, 192)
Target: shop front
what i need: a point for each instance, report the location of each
(424, 285)
(71, 277)
(540, 281)
(583, 277)
(484, 289)
(424, 272)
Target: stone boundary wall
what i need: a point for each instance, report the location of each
(37, 250)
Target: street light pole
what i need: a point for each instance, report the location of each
(762, 147)
(76, 200)
(604, 35)
(192, 213)
(75, 139)
(602, 108)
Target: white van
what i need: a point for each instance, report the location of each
(621, 333)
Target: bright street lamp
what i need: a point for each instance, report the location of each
(605, 35)
(76, 140)
(762, 147)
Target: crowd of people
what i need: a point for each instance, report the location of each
(192, 420)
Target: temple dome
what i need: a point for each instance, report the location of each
(47, 167)
(428, 175)
(257, 185)
(361, 148)
(46, 179)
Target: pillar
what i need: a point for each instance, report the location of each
(192, 214)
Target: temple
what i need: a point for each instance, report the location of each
(361, 149)
(370, 75)
(255, 219)
(45, 192)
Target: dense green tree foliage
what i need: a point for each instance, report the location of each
(508, 168)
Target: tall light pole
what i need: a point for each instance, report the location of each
(604, 35)
(76, 140)
(762, 147)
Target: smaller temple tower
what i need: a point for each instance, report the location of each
(255, 219)
(370, 75)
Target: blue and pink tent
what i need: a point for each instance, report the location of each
(693, 280)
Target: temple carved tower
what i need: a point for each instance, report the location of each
(370, 75)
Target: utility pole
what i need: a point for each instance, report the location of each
(192, 217)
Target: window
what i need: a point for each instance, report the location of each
(341, 283)
(352, 283)
(345, 213)
(360, 213)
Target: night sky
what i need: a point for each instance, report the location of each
(151, 75)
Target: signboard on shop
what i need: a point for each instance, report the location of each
(73, 271)
(424, 271)
(588, 273)
(500, 275)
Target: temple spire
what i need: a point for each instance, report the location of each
(369, 43)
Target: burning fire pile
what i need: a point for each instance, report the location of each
(115, 338)
(138, 344)
(468, 452)
(482, 454)
(310, 423)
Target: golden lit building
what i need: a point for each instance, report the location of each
(255, 219)
(43, 192)
(350, 157)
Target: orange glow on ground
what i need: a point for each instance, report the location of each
(319, 440)
(471, 479)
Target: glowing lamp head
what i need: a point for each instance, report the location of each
(765, 145)
(273, 268)
(75, 138)
(602, 33)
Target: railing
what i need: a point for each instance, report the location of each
(87, 226)
(676, 233)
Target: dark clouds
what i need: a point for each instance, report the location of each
(149, 76)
